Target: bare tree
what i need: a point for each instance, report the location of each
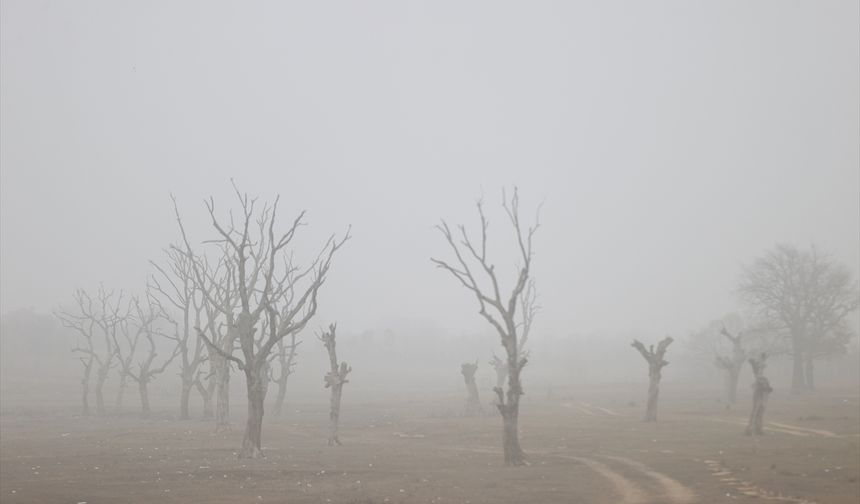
(285, 355)
(334, 379)
(473, 401)
(142, 322)
(761, 391)
(94, 320)
(807, 296)
(731, 364)
(264, 279)
(126, 348)
(501, 368)
(500, 313)
(656, 363)
(174, 284)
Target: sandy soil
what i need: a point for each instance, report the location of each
(582, 447)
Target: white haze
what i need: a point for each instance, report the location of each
(670, 143)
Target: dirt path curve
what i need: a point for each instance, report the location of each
(628, 492)
(675, 491)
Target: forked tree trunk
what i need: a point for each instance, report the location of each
(206, 392)
(334, 379)
(252, 439)
(473, 401)
(761, 391)
(656, 362)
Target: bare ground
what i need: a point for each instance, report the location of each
(584, 448)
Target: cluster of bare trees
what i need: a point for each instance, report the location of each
(239, 299)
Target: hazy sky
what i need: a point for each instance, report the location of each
(670, 141)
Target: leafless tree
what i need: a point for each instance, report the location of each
(501, 368)
(656, 363)
(263, 277)
(761, 391)
(334, 379)
(143, 322)
(174, 284)
(95, 320)
(500, 313)
(731, 364)
(126, 348)
(473, 401)
(285, 355)
(807, 296)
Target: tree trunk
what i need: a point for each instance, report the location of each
(761, 391)
(654, 375)
(185, 397)
(100, 383)
(334, 414)
(282, 394)
(810, 373)
(206, 393)
(798, 380)
(85, 387)
(222, 398)
(120, 392)
(252, 439)
(143, 388)
(473, 401)
(510, 419)
(732, 375)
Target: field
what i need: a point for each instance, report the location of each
(583, 446)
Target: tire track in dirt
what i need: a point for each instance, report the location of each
(782, 428)
(674, 490)
(627, 491)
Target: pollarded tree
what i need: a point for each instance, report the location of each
(500, 312)
(656, 363)
(732, 363)
(806, 296)
(265, 280)
(473, 401)
(335, 380)
(761, 391)
(95, 320)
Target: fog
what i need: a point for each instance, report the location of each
(667, 144)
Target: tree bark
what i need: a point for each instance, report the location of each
(222, 395)
(473, 401)
(185, 397)
(761, 391)
(653, 396)
(143, 388)
(206, 393)
(282, 394)
(810, 373)
(101, 378)
(252, 439)
(509, 407)
(732, 385)
(120, 392)
(85, 386)
(334, 414)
